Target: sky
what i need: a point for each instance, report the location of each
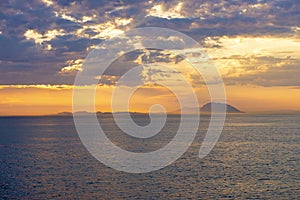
(254, 44)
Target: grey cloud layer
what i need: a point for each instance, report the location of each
(23, 61)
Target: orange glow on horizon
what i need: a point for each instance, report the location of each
(43, 101)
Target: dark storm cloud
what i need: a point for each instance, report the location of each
(28, 61)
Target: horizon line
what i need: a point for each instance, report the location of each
(136, 112)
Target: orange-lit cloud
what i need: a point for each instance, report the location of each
(160, 10)
(73, 66)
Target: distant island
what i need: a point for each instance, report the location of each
(204, 109)
(85, 113)
(219, 108)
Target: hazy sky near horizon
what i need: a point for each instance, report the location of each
(255, 45)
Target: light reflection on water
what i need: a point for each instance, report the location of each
(257, 156)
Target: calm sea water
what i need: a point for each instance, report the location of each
(257, 157)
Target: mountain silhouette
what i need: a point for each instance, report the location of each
(219, 108)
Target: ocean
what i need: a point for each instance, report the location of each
(256, 157)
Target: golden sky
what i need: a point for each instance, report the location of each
(42, 101)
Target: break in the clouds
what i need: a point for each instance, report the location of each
(45, 41)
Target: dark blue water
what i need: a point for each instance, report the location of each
(257, 157)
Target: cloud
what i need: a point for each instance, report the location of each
(162, 11)
(47, 2)
(150, 59)
(15, 49)
(286, 74)
(261, 61)
(39, 86)
(40, 36)
(72, 67)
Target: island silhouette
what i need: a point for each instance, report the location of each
(219, 107)
(206, 108)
